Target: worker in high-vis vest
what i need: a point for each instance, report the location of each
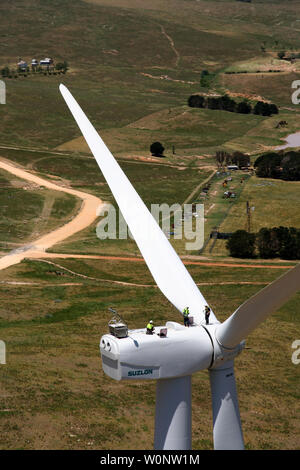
(150, 328)
(186, 313)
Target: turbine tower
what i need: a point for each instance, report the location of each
(174, 357)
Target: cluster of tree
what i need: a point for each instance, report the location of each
(278, 242)
(226, 103)
(233, 72)
(240, 159)
(290, 57)
(275, 242)
(282, 165)
(59, 68)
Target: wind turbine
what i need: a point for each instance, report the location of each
(173, 359)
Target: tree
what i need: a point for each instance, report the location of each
(240, 159)
(290, 164)
(258, 108)
(261, 108)
(287, 242)
(267, 243)
(222, 157)
(273, 108)
(227, 104)
(157, 149)
(244, 107)
(241, 244)
(268, 165)
(281, 55)
(205, 79)
(196, 101)
(213, 102)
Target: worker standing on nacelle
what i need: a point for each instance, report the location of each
(186, 313)
(207, 313)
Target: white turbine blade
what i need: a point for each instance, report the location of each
(163, 262)
(252, 312)
(227, 429)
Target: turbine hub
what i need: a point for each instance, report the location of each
(222, 355)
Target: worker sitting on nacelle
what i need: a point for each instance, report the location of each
(150, 328)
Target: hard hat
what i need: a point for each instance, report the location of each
(151, 321)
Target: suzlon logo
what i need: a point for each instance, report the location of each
(2, 92)
(179, 222)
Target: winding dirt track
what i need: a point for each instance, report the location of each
(133, 259)
(86, 216)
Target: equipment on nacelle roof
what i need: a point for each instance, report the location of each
(117, 326)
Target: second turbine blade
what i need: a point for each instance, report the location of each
(252, 312)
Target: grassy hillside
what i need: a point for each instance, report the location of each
(120, 54)
(55, 395)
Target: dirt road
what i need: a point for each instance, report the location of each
(86, 215)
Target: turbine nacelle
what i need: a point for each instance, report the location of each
(181, 352)
(140, 356)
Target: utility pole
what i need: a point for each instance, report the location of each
(248, 212)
